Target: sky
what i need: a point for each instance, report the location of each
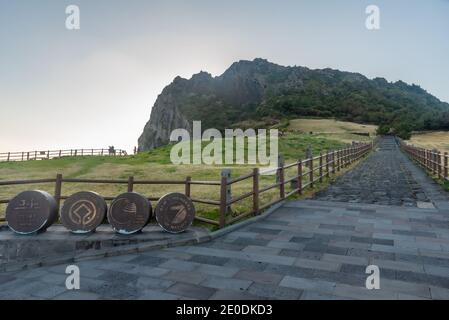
(95, 87)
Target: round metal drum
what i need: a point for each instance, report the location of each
(31, 211)
(129, 213)
(175, 212)
(83, 212)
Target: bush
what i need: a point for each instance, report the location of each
(383, 130)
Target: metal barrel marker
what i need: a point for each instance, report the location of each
(175, 212)
(129, 213)
(31, 212)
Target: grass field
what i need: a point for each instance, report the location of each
(340, 130)
(156, 165)
(432, 140)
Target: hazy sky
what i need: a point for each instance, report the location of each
(95, 86)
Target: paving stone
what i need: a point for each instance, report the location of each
(247, 242)
(274, 292)
(336, 227)
(398, 265)
(185, 277)
(179, 265)
(218, 261)
(146, 260)
(317, 264)
(4, 279)
(362, 261)
(289, 270)
(308, 284)
(355, 279)
(361, 293)
(148, 283)
(312, 295)
(157, 295)
(385, 242)
(439, 293)
(217, 270)
(192, 291)
(272, 231)
(77, 295)
(235, 295)
(226, 283)
(259, 277)
(246, 264)
(261, 250)
(413, 289)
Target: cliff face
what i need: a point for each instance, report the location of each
(207, 99)
(256, 89)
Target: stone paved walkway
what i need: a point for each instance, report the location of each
(387, 177)
(311, 249)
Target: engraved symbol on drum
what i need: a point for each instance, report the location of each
(175, 212)
(127, 210)
(129, 213)
(83, 212)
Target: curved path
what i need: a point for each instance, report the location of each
(311, 249)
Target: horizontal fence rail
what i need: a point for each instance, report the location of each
(308, 172)
(434, 161)
(51, 154)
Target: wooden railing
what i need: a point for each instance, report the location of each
(308, 172)
(434, 161)
(50, 154)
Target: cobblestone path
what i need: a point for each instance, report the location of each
(387, 177)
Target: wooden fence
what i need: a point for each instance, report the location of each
(434, 161)
(308, 172)
(50, 154)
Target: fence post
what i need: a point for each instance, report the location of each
(9, 155)
(321, 167)
(28, 156)
(434, 160)
(223, 202)
(188, 186)
(440, 171)
(300, 177)
(338, 160)
(333, 161)
(282, 182)
(58, 190)
(328, 160)
(22, 156)
(446, 163)
(256, 191)
(311, 171)
(131, 184)
(48, 154)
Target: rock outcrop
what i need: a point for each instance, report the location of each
(256, 89)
